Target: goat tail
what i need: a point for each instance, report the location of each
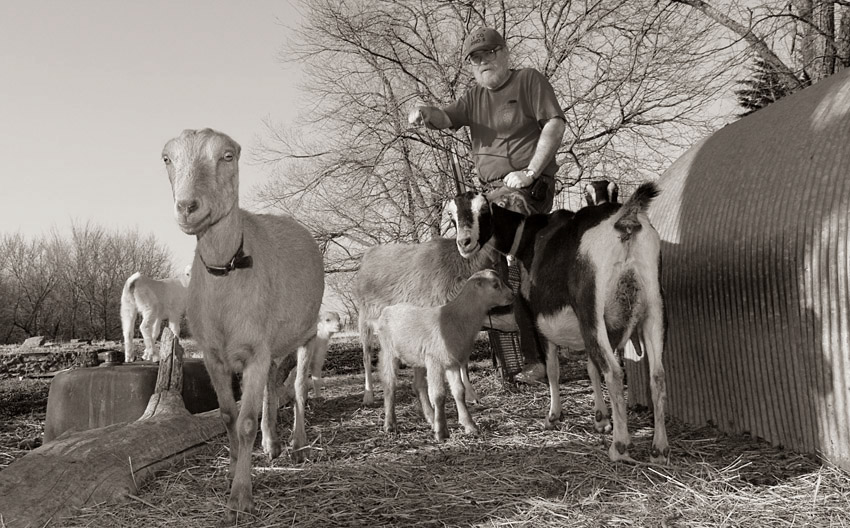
(629, 223)
(128, 314)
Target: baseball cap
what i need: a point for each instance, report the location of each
(484, 38)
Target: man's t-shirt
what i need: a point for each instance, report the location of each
(505, 123)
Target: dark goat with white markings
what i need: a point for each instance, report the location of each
(592, 280)
(600, 192)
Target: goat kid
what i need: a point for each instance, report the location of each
(592, 279)
(437, 341)
(329, 324)
(157, 300)
(254, 297)
(426, 274)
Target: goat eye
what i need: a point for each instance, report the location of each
(228, 157)
(166, 160)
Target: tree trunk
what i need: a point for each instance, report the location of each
(756, 43)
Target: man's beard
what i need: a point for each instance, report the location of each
(492, 79)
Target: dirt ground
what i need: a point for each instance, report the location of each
(514, 473)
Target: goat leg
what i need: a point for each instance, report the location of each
(253, 385)
(601, 415)
(469, 391)
(420, 385)
(553, 374)
(268, 425)
(437, 395)
(222, 381)
(388, 367)
(454, 377)
(302, 374)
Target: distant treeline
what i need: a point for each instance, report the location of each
(65, 287)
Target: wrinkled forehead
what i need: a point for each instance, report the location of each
(206, 142)
(466, 207)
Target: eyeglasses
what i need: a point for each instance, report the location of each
(480, 57)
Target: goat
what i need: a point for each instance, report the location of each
(426, 274)
(329, 324)
(254, 297)
(600, 192)
(437, 342)
(592, 280)
(156, 300)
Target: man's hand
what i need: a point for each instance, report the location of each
(429, 117)
(418, 116)
(518, 179)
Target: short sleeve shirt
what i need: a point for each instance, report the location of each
(505, 124)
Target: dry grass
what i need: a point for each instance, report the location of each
(514, 474)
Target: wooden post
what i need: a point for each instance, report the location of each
(167, 398)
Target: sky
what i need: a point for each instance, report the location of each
(91, 90)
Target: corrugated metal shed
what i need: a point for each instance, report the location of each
(755, 223)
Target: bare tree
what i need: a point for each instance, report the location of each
(100, 262)
(32, 274)
(633, 77)
(62, 288)
(798, 42)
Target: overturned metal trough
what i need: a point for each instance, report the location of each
(755, 222)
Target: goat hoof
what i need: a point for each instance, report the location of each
(232, 518)
(660, 456)
(602, 423)
(549, 423)
(272, 449)
(239, 502)
(300, 455)
(368, 398)
(472, 430)
(619, 452)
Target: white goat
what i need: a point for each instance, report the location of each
(426, 274)
(437, 342)
(592, 280)
(156, 300)
(329, 324)
(254, 297)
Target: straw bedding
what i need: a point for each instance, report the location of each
(513, 474)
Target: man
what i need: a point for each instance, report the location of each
(516, 125)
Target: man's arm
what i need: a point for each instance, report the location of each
(550, 139)
(431, 117)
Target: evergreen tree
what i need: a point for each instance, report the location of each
(765, 86)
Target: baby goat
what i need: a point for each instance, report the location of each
(437, 341)
(592, 279)
(157, 300)
(328, 325)
(426, 274)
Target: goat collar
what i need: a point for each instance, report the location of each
(239, 261)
